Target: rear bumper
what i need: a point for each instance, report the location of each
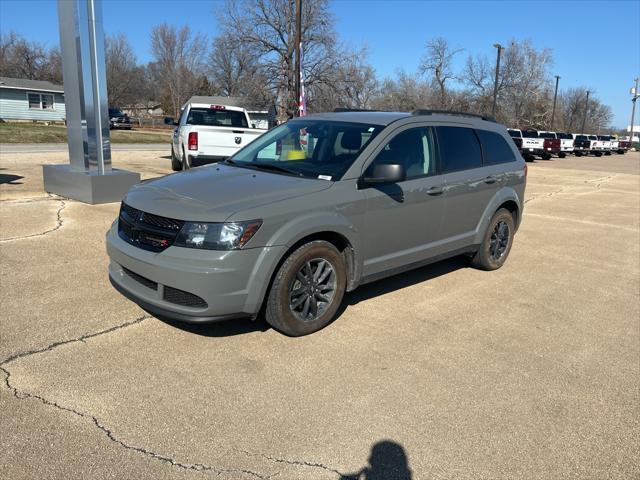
(199, 160)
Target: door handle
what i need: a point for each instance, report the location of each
(490, 179)
(435, 191)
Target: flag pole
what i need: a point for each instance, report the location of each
(298, 47)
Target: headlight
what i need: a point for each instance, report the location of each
(216, 236)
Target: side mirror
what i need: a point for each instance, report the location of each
(386, 173)
(169, 121)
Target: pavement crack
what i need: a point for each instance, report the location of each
(300, 463)
(81, 338)
(59, 223)
(23, 395)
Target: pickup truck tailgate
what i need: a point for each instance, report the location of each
(224, 141)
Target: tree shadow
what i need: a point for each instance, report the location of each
(387, 461)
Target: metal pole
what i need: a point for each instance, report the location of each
(586, 107)
(298, 41)
(633, 111)
(555, 97)
(495, 85)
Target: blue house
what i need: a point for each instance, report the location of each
(22, 99)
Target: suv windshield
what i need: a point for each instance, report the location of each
(213, 117)
(310, 148)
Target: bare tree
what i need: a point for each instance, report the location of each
(572, 103)
(235, 71)
(406, 93)
(124, 75)
(178, 65)
(438, 60)
(267, 27)
(20, 58)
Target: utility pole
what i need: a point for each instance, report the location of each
(298, 42)
(633, 109)
(555, 97)
(586, 107)
(495, 85)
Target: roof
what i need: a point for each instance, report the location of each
(229, 101)
(26, 84)
(385, 118)
(372, 117)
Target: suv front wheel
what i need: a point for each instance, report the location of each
(307, 289)
(496, 245)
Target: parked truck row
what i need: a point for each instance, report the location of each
(546, 144)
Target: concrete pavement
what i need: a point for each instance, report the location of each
(531, 371)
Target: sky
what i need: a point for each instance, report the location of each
(595, 43)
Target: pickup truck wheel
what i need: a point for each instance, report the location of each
(307, 290)
(176, 165)
(496, 245)
(598, 154)
(562, 155)
(546, 156)
(578, 154)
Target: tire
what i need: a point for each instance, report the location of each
(578, 154)
(546, 156)
(607, 154)
(562, 155)
(286, 312)
(176, 165)
(598, 154)
(185, 164)
(488, 257)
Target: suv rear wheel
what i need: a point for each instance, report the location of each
(497, 242)
(307, 290)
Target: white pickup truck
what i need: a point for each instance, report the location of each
(209, 133)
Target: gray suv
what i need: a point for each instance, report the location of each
(314, 208)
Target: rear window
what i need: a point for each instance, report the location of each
(495, 149)
(581, 137)
(217, 118)
(515, 133)
(547, 135)
(529, 134)
(604, 137)
(592, 137)
(565, 136)
(459, 149)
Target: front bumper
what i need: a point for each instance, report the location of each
(230, 284)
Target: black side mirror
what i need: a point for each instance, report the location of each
(386, 173)
(169, 121)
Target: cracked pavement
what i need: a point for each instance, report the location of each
(531, 371)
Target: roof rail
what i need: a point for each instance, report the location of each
(343, 109)
(452, 112)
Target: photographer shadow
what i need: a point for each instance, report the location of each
(388, 461)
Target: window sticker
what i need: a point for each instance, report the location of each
(324, 177)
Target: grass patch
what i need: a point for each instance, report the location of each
(39, 133)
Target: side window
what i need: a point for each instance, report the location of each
(494, 148)
(413, 149)
(459, 149)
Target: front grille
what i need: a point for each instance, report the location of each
(140, 279)
(146, 230)
(180, 297)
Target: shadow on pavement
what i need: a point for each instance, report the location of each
(10, 178)
(241, 326)
(388, 461)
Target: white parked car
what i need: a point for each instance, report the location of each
(566, 143)
(209, 133)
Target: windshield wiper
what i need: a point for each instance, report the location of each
(276, 168)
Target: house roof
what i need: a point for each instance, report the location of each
(26, 84)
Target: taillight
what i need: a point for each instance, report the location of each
(193, 141)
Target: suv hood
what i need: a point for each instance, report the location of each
(213, 193)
